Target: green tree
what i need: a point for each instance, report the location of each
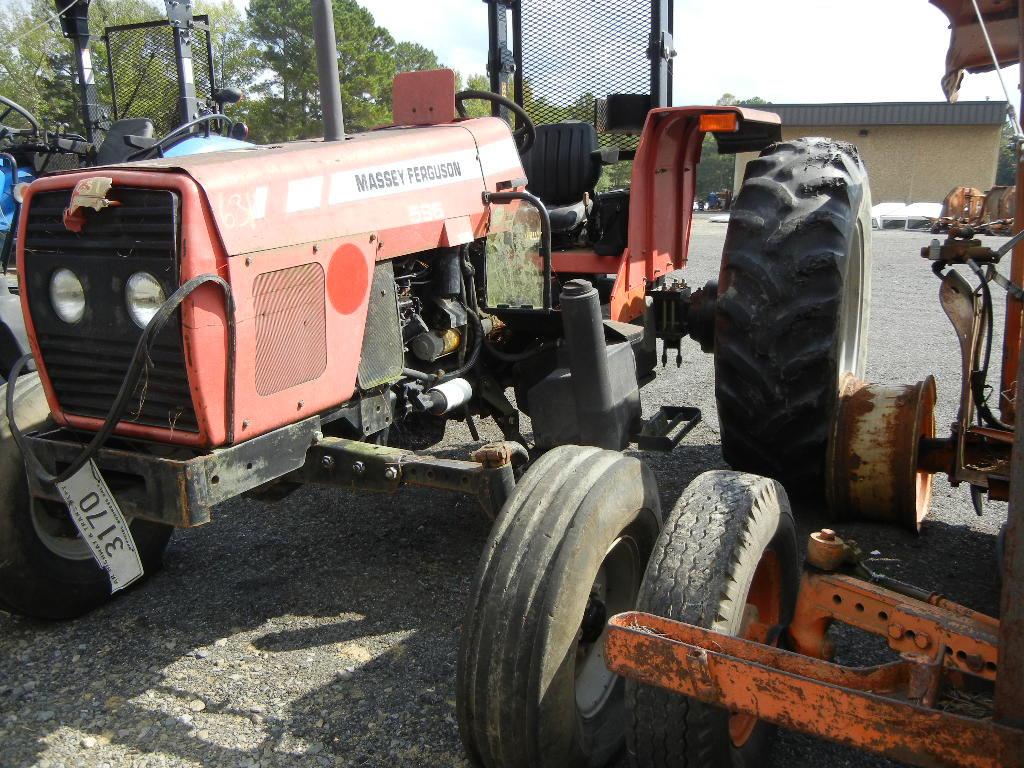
(413, 57)
(478, 82)
(715, 171)
(283, 32)
(1006, 170)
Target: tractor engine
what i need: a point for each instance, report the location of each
(332, 270)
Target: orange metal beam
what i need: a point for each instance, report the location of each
(809, 695)
(953, 635)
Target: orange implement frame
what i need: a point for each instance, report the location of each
(873, 708)
(935, 631)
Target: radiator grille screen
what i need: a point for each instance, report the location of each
(87, 361)
(383, 353)
(561, 79)
(291, 327)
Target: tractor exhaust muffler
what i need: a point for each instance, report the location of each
(327, 70)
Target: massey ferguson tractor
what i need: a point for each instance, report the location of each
(244, 322)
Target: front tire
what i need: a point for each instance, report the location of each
(726, 560)
(792, 310)
(46, 570)
(567, 551)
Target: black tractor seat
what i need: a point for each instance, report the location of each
(562, 167)
(115, 147)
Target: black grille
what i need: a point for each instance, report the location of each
(87, 361)
(586, 50)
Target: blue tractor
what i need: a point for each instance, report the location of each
(152, 114)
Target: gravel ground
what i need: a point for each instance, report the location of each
(322, 630)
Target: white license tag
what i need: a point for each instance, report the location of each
(99, 520)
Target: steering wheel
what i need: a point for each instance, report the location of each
(523, 136)
(178, 134)
(8, 107)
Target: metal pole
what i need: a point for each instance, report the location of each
(74, 23)
(1014, 308)
(1009, 696)
(500, 62)
(327, 70)
(179, 16)
(661, 51)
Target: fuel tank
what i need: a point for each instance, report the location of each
(296, 230)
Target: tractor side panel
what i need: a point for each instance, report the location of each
(300, 317)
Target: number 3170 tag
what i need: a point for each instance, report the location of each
(102, 526)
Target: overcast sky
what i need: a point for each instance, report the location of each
(784, 50)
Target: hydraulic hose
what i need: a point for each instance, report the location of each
(140, 361)
(979, 377)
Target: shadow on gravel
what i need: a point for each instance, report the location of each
(211, 661)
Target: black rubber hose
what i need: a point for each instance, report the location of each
(515, 357)
(412, 373)
(140, 358)
(980, 377)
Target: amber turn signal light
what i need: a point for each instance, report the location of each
(721, 122)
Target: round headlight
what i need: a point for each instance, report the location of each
(67, 295)
(144, 296)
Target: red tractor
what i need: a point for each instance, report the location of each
(246, 322)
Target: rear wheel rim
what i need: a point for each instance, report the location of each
(763, 611)
(56, 531)
(849, 334)
(614, 590)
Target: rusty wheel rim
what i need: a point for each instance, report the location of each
(763, 610)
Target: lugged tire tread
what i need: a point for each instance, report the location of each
(779, 299)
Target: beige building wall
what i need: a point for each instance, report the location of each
(913, 163)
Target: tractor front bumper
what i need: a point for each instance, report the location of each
(181, 491)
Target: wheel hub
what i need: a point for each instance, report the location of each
(594, 618)
(614, 590)
(55, 529)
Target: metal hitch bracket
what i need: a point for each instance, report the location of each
(182, 491)
(666, 429)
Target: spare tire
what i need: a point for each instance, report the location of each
(792, 310)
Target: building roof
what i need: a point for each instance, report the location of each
(891, 113)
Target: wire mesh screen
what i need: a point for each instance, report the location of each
(576, 51)
(144, 75)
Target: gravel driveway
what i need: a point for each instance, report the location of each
(322, 630)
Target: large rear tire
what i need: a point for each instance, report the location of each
(567, 551)
(726, 560)
(792, 310)
(46, 570)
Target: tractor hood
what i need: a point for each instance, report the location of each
(395, 179)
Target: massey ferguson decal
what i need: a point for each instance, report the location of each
(406, 176)
(415, 174)
(243, 209)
